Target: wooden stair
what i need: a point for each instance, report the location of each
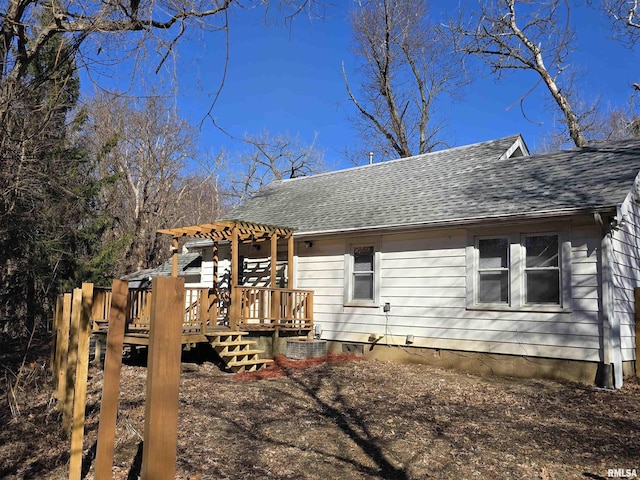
(239, 354)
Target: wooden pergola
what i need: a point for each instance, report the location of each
(238, 232)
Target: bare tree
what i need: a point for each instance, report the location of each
(271, 158)
(406, 63)
(532, 36)
(23, 34)
(626, 18)
(145, 148)
(202, 200)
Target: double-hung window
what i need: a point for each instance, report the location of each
(362, 273)
(519, 270)
(542, 269)
(493, 270)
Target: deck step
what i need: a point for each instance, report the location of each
(225, 335)
(251, 362)
(239, 354)
(249, 365)
(236, 343)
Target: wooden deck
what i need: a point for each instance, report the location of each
(209, 317)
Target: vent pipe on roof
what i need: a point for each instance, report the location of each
(370, 158)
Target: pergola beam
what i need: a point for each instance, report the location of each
(247, 231)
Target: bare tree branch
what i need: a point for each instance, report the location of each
(504, 40)
(272, 158)
(405, 64)
(149, 151)
(625, 15)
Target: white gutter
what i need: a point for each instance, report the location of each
(464, 222)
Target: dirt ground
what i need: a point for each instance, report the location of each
(342, 419)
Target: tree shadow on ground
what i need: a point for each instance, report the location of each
(352, 425)
(258, 430)
(136, 466)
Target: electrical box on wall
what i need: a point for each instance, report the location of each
(386, 307)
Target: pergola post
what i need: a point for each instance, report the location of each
(274, 260)
(290, 246)
(213, 300)
(235, 307)
(174, 257)
(275, 294)
(215, 267)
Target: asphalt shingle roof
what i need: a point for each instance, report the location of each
(456, 185)
(188, 263)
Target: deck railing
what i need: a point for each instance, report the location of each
(100, 308)
(269, 308)
(261, 308)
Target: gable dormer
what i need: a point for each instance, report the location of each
(518, 149)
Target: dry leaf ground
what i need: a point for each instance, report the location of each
(344, 419)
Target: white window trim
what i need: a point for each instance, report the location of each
(348, 272)
(516, 267)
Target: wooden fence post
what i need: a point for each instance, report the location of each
(163, 379)
(57, 320)
(72, 359)
(111, 386)
(80, 384)
(62, 349)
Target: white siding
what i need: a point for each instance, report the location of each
(257, 266)
(224, 267)
(626, 275)
(321, 269)
(423, 277)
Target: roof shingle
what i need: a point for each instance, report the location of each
(456, 185)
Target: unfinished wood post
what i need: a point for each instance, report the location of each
(174, 257)
(57, 319)
(96, 313)
(275, 303)
(111, 385)
(80, 390)
(290, 248)
(636, 295)
(309, 312)
(163, 379)
(274, 261)
(213, 305)
(62, 350)
(235, 307)
(72, 359)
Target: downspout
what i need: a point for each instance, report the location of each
(612, 362)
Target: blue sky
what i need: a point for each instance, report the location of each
(289, 80)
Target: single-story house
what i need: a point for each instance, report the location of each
(480, 257)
